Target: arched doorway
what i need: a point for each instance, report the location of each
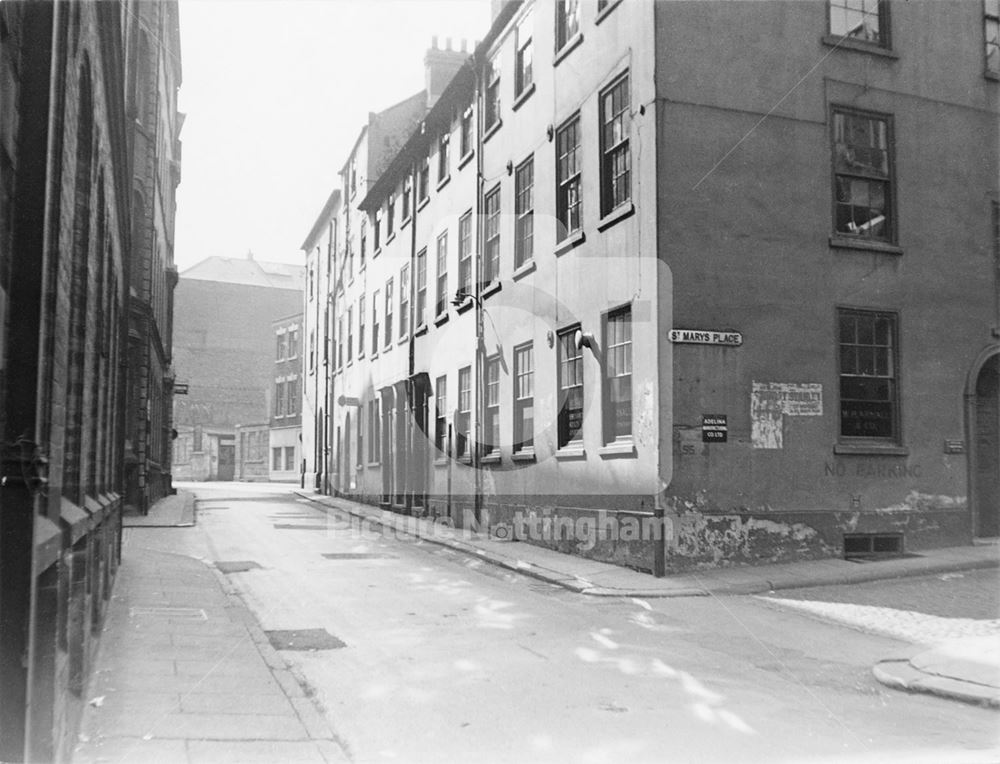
(984, 447)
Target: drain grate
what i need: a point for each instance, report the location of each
(299, 527)
(359, 556)
(237, 566)
(303, 639)
(181, 613)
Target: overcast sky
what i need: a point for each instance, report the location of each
(275, 92)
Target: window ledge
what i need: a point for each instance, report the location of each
(991, 75)
(619, 213)
(491, 288)
(572, 240)
(492, 129)
(423, 202)
(864, 245)
(440, 318)
(389, 238)
(523, 270)
(571, 453)
(420, 330)
(617, 449)
(465, 305)
(603, 13)
(388, 347)
(404, 222)
(374, 355)
(376, 252)
(870, 449)
(524, 455)
(490, 458)
(523, 96)
(403, 338)
(847, 43)
(375, 463)
(465, 159)
(443, 182)
(360, 357)
(567, 48)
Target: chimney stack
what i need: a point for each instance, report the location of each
(440, 66)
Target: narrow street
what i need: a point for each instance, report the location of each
(445, 658)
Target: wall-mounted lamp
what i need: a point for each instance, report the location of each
(550, 338)
(510, 167)
(583, 339)
(550, 131)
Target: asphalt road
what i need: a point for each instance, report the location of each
(449, 659)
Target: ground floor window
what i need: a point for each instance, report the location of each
(276, 458)
(289, 458)
(869, 405)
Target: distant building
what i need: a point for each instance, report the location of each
(620, 277)
(286, 401)
(224, 353)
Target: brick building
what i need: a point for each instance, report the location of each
(224, 353)
(69, 87)
(286, 401)
(722, 308)
(156, 174)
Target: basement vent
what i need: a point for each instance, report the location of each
(869, 546)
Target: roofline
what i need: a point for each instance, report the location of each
(289, 317)
(451, 91)
(332, 201)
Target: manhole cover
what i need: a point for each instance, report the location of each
(184, 613)
(237, 566)
(359, 556)
(299, 527)
(303, 639)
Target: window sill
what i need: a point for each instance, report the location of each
(361, 357)
(572, 240)
(444, 181)
(374, 355)
(524, 455)
(402, 339)
(492, 129)
(870, 449)
(388, 347)
(568, 47)
(991, 75)
(846, 43)
(490, 458)
(440, 318)
(491, 288)
(375, 463)
(404, 222)
(423, 203)
(465, 305)
(466, 158)
(523, 96)
(420, 331)
(571, 453)
(619, 213)
(376, 252)
(606, 10)
(865, 245)
(523, 270)
(389, 239)
(619, 449)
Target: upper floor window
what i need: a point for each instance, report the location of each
(524, 397)
(491, 262)
(524, 210)
(280, 352)
(375, 324)
(361, 326)
(862, 167)
(567, 21)
(463, 419)
(491, 423)
(441, 414)
(868, 395)
(312, 282)
(377, 231)
(340, 341)
(388, 313)
(279, 398)
(423, 179)
(465, 252)
(421, 305)
(570, 374)
(406, 199)
(443, 156)
(465, 132)
(616, 159)
(618, 374)
(350, 334)
(354, 176)
(404, 300)
(441, 305)
(862, 20)
(390, 215)
(568, 202)
(293, 343)
(992, 28)
(364, 242)
(491, 99)
(292, 392)
(522, 67)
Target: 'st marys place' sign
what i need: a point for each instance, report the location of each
(706, 337)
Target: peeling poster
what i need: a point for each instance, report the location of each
(770, 402)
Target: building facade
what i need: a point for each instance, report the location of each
(224, 355)
(68, 88)
(286, 402)
(152, 278)
(629, 296)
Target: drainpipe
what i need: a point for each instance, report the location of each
(477, 289)
(408, 481)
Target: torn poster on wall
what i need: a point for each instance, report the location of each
(770, 402)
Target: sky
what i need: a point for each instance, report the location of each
(275, 93)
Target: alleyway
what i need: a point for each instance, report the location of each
(434, 656)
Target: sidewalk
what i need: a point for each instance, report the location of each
(601, 579)
(176, 511)
(965, 669)
(183, 672)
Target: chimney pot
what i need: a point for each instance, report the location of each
(434, 42)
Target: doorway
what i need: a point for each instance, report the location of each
(985, 435)
(227, 461)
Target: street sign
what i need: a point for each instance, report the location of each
(180, 388)
(714, 428)
(706, 337)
